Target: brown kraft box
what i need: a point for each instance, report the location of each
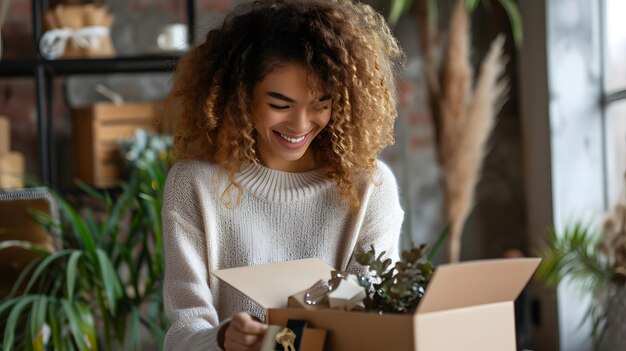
(467, 306)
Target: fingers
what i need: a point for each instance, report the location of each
(244, 323)
(244, 333)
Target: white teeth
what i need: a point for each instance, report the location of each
(293, 140)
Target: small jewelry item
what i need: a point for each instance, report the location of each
(318, 293)
(286, 338)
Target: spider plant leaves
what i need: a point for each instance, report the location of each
(134, 343)
(107, 272)
(55, 328)
(45, 220)
(41, 267)
(80, 229)
(110, 280)
(81, 325)
(72, 268)
(12, 321)
(102, 197)
(27, 245)
(37, 322)
(153, 315)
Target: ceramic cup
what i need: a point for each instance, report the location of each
(173, 37)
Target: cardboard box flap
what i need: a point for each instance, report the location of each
(477, 283)
(270, 285)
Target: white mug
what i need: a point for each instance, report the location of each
(173, 37)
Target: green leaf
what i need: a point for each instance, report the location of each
(91, 191)
(11, 326)
(86, 323)
(471, 5)
(433, 15)
(72, 265)
(26, 245)
(37, 320)
(113, 221)
(55, 321)
(92, 225)
(110, 280)
(398, 7)
(43, 265)
(79, 227)
(134, 343)
(439, 243)
(154, 212)
(104, 313)
(75, 325)
(158, 332)
(7, 303)
(515, 18)
(44, 220)
(81, 325)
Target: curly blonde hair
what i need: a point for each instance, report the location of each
(347, 45)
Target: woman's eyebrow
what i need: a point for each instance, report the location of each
(280, 96)
(325, 97)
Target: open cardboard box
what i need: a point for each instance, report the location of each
(467, 306)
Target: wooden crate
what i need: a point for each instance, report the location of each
(11, 170)
(16, 223)
(97, 129)
(5, 135)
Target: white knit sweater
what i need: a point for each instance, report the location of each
(282, 216)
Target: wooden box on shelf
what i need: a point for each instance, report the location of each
(97, 129)
(11, 162)
(5, 135)
(11, 170)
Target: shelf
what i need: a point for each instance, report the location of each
(154, 63)
(17, 68)
(43, 73)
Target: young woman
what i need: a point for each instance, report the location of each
(283, 112)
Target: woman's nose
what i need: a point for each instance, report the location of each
(300, 121)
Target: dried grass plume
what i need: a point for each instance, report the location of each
(464, 118)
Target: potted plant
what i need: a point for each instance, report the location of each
(101, 287)
(595, 262)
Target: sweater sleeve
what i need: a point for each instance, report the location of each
(382, 221)
(194, 322)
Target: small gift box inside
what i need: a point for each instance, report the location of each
(467, 306)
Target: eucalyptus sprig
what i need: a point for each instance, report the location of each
(398, 288)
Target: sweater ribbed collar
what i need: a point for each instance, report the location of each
(278, 186)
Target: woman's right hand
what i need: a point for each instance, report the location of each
(243, 333)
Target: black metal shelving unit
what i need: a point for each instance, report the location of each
(44, 71)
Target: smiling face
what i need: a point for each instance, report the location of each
(287, 117)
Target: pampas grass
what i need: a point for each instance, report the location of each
(463, 116)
